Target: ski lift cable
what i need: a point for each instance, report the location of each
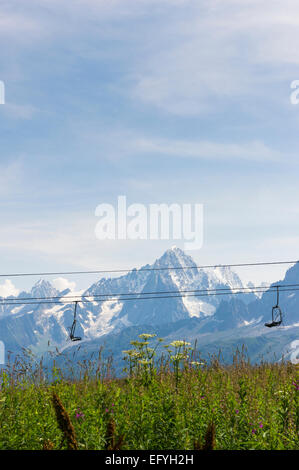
(253, 289)
(164, 268)
(276, 311)
(120, 299)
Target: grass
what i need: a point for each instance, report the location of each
(175, 402)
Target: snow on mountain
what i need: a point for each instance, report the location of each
(193, 279)
(291, 352)
(43, 289)
(210, 318)
(288, 299)
(157, 278)
(101, 316)
(251, 287)
(103, 322)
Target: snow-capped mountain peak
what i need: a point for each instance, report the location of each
(43, 289)
(181, 295)
(174, 257)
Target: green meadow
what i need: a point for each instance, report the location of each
(174, 401)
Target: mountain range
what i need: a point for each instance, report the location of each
(132, 305)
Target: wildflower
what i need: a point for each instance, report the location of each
(64, 423)
(139, 343)
(111, 442)
(177, 357)
(145, 362)
(237, 411)
(296, 385)
(146, 336)
(261, 425)
(178, 344)
(210, 437)
(132, 353)
(79, 415)
(253, 431)
(106, 410)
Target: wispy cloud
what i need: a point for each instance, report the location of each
(222, 51)
(137, 97)
(253, 151)
(121, 143)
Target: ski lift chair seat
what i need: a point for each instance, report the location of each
(273, 323)
(75, 338)
(276, 313)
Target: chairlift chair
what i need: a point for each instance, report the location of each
(276, 312)
(73, 327)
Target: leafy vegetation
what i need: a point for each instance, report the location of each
(174, 401)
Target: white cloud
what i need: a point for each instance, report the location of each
(254, 151)
(8, 289)
(69, 240)
(51, 19)
(61, 284)
(188, 55)
(216, 51)
(120, 143)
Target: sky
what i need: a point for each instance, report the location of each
(161, 101)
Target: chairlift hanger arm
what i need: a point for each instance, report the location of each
(276, 312)
(73, 327)
(277, 294)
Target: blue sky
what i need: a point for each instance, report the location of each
(164, 101)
